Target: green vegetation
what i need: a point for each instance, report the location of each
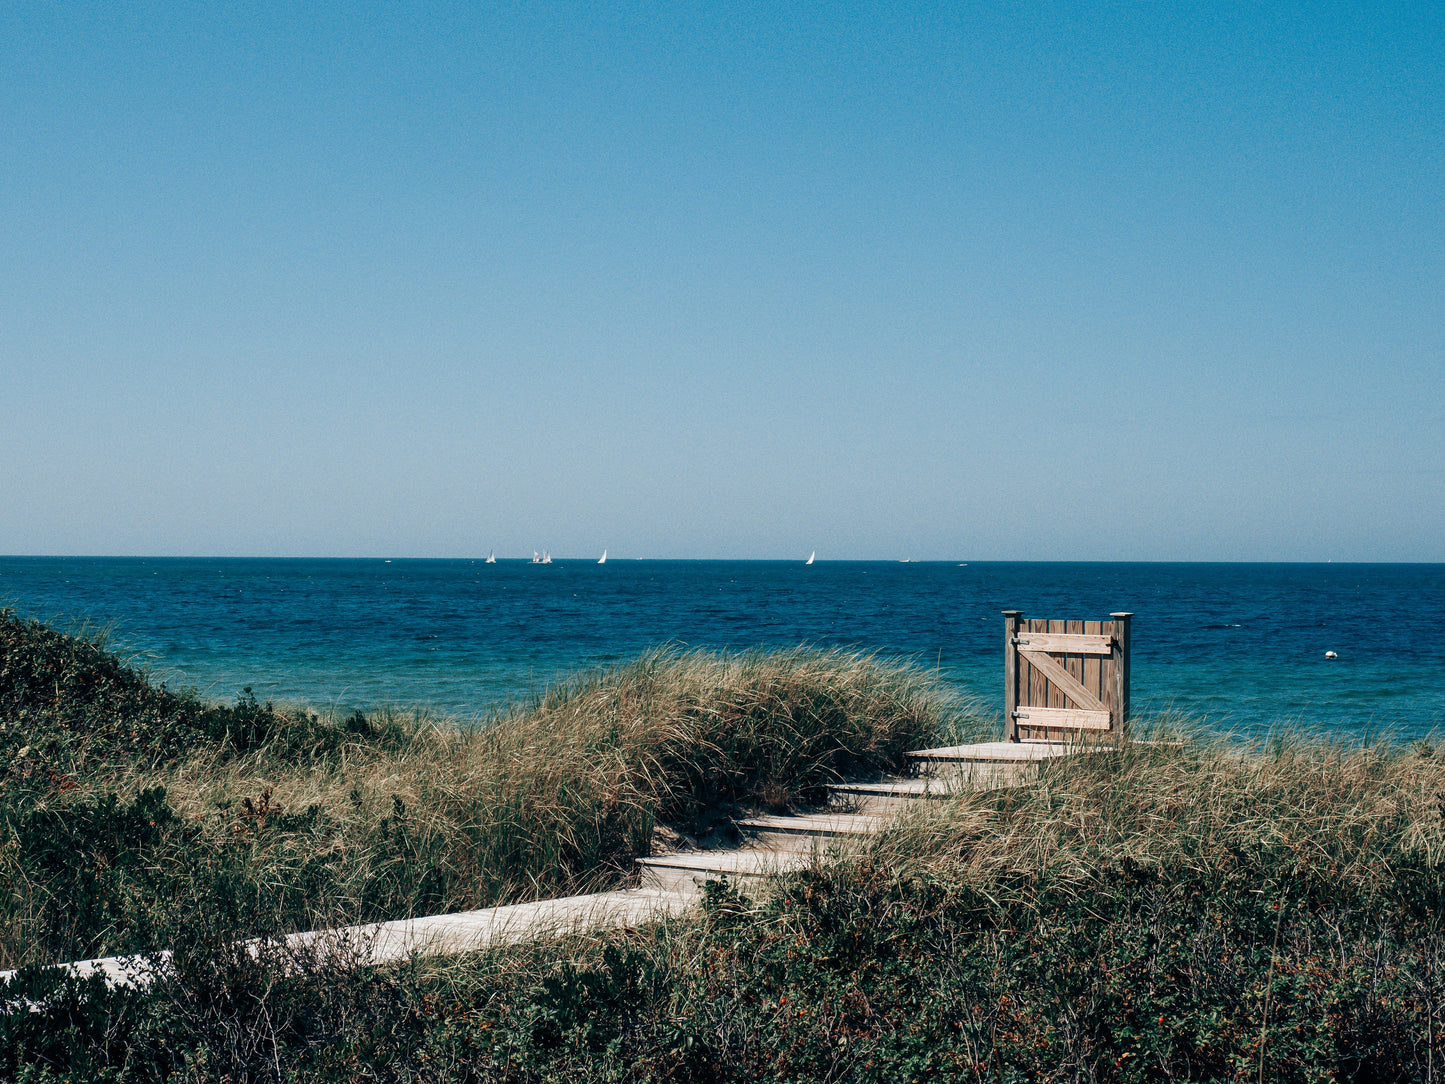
(1173, 911)
(127, 811)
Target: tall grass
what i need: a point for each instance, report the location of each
(1201, 801)
(267, 820)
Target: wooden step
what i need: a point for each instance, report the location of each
(688, 871)
(889, 796)
(512, 924)
(811, 829)
(986, 765)
(1001, 751)
(467, 931)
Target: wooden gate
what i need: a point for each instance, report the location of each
(1065, 680)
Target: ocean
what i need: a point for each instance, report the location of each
(1234, 646)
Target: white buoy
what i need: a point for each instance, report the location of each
(1331, 655)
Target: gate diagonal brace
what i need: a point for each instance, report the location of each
(1062, 680)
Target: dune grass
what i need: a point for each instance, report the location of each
(1178, 796)
(128, 811)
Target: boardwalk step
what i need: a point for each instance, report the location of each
(986, 765)
(995, 752)
(518, 922)
(809, 829)
(688, 871)
(889, 796)
(466, 931)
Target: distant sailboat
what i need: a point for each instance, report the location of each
(546, 558)
(536, 558)
(809, 561)
(491, 558)
(603, 559)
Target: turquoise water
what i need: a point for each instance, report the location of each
(1239, 645)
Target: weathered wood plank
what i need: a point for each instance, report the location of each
(1091, 662)
(1038, 682)
(1074, 643)
(1073, 661)
(1073, 718)
(1054, 697)
(1106, 672)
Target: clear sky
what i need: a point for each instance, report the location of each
(958, 281)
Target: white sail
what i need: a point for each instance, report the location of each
(491, 558)
(603, 559)
(811, 556)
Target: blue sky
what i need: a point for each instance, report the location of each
(966, 281)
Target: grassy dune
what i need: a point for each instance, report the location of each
(128, 813)
(1187, 910)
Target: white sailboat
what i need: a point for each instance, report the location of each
(603, 559)
(546, 558)
(809, 561)
(491, 558)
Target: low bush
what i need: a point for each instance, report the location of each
(69, 707)
(851, 973)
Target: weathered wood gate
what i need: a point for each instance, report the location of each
(1065, 680)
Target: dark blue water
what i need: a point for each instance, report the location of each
(1240, 646)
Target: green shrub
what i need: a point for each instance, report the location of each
(851, 973)
(69, 706)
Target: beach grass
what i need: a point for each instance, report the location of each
(127, 809)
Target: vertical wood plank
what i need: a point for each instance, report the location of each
(1038, 684)
(1074, 664)
(1049, 695)
(1091, 667)
(1025, 682)
(1010, 674)
(1056, 697)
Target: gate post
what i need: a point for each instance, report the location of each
(1011, 620)
(1121, 674)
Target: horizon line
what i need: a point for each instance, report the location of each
(588, 559)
